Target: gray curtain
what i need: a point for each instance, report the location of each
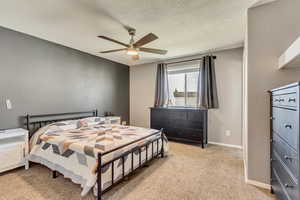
(162, 86)
(207, 96)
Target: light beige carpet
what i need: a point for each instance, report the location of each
(188, 173)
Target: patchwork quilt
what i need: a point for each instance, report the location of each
(72, 147)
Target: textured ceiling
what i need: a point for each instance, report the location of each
(184, 27)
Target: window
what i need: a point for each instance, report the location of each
(183, 83)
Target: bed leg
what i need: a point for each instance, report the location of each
(54, 174)
(99, 177)
(162, 145)
(272, 191)
(145, 165)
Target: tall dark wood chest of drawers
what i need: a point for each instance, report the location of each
(285, 142)
(181, 124)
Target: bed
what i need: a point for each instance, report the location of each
(80, 145)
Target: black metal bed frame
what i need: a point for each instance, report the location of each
(33, 125)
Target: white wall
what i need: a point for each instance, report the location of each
(142, 91)
(271, 29)
(229, 82)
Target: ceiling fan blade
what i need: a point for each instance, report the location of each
(114, 50)
(135, 57)
(156, 51)
(112, 40)
(145, 40)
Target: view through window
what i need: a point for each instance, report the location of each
(183, 83)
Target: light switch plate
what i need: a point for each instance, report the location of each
(228, 133)
(8, 104)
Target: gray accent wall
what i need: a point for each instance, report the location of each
(41, 77)
(271, 30)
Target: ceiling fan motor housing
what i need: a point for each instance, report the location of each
(131, 31)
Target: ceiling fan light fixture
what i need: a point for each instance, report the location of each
(132, 52)
(134, 48)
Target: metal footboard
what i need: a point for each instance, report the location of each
(159, 152)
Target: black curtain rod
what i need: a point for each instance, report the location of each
(214, 57)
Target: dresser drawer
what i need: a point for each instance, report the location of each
(189, 134)
(277, 187)
(286, 97)
(170, 132)
(11, 154)
(276, 100)
(178, 115)
(196, 116)
(159, 118)
(289, 100)
(287, 155)
(285, 124)
(193, 134)
(286, 182)
(285, 91)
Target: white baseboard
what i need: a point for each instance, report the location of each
(259, 184)
(226, 145)
(245, 170)
(261, 2)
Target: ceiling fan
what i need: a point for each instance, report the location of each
(133, 48)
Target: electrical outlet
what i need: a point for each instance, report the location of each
(8, 104)
(228, 133)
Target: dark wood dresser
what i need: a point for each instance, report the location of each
(285, 142)
(181, 124)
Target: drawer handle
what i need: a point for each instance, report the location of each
(288, 186)
(276, 100)
(272, 118)
(288, 126)
(273, 141)
(281, 100)
(287, 157)
(292, 99)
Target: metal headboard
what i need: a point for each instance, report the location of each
(35, 122)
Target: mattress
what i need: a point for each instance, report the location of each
(71, 148)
